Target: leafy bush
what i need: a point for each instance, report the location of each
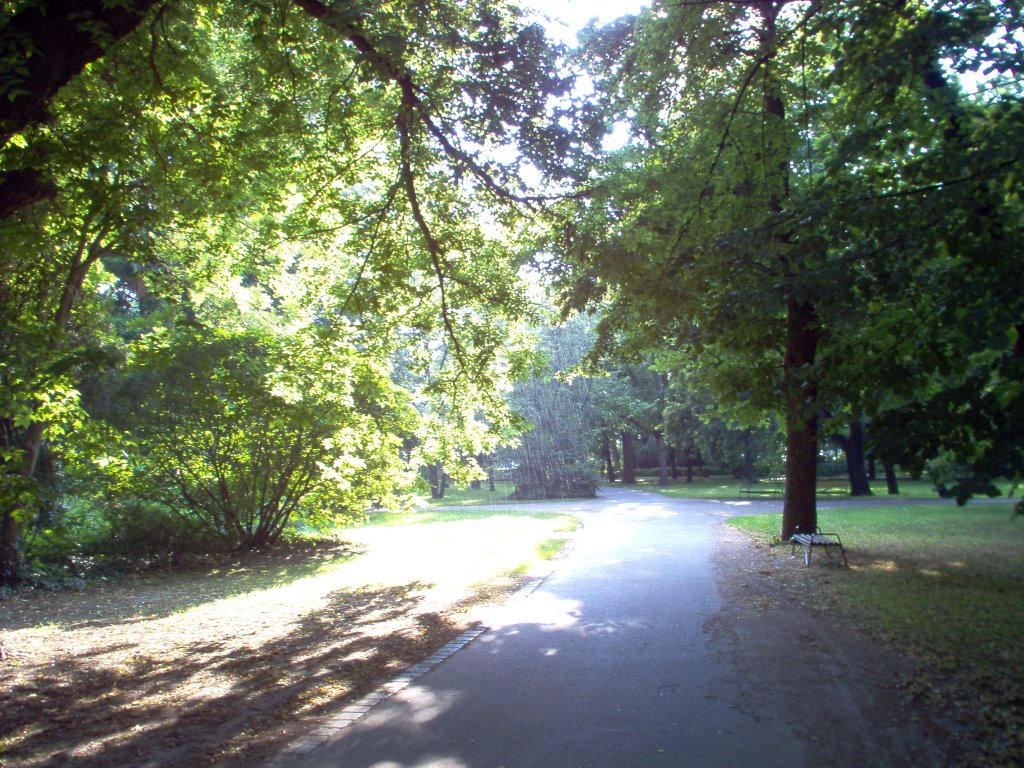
(246, 431)
(550, 479)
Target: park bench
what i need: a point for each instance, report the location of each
(817, 539)
(833, 487)
(769, 487)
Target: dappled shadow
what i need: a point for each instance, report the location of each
(328, 658)
(143, 598)
(950, 609)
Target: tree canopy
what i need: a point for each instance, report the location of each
(261, 261)
(308, 189)
(812, 206)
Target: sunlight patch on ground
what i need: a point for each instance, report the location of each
(644, 510)
(153, 665)
(543, 610)
(883, 565)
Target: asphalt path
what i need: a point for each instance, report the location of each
(608, 663)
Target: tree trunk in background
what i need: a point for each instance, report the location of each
(606, 453)
(15, 515)
(749, 470)
(10, 549)
(689, 463)
(628, 459)
(892, 487)
(673, 455)
(659, 442)
(853, 451)
(435, 476)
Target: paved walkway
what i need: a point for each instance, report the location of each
(609, 663)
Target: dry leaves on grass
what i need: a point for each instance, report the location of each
(215, 666)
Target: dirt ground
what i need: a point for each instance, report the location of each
(122, 675)
(846, 691)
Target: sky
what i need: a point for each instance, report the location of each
(572, 15)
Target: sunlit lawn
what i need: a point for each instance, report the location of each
(466, 496)
(291, 634)
(473, 497)
(945, 584)
(434, 544)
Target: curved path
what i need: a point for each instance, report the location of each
(616, 661)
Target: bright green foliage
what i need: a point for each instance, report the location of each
(246, 430)
(321, 185)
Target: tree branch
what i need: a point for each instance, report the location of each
(398, 74)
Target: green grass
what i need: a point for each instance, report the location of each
(700, 488)
(945, 584)
(459, 497)
(729, 488)
(427, 516)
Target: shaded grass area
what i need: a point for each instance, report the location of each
(945, 585)
(731, 488)
(222, 665)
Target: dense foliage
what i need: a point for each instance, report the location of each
(554, 458)
(277, 251)
(260, 262)
(820, 211)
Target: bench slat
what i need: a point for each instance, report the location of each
(819, 539)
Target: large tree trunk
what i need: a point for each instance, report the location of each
(800, 387)
(853, 451)
(800, 510)
(57, 38)
(628, 459)
(659, 442)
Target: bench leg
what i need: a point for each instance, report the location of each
(807, 554)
